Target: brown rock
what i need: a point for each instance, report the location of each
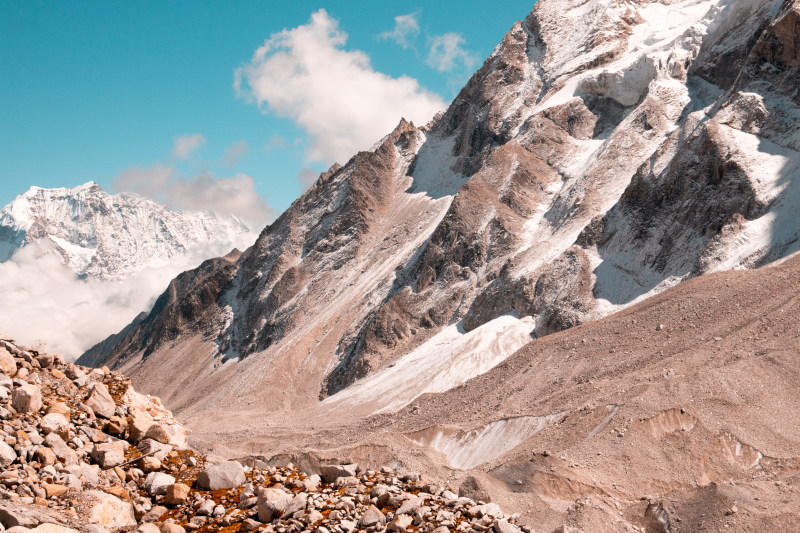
(108, 455)
(59, 408)
(157, 433)
(169, 527)
(100, 401)
(120, 493)
(53, 490)
(45, 456)
(150, 464)
(138, 427)
(474, 489)
(27, 398)
(7, 364)
(117, 426)
(177, 494)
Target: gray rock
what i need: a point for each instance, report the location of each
(410, 506)
(272, 503)
(27, 399)
(371, 517)
(474, 489)
(109, 454)
(400, 523)
(331, 473)
(206, 508)
(100, 401)
(158, 450)
(502, 526)
(7, 454)
(156, 483)
(60, 448)
(45, 360)
(226, 475)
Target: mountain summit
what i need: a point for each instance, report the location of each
(109, 237)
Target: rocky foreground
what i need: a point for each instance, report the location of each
(82, 451)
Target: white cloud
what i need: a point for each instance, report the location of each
(406, 30)
(186, 144)
(447, 51)
(235, 195)
(235, 153)
(45, 304)
(307, 177)
(276, 142)
(334, 94)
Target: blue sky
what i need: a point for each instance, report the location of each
(140, 95)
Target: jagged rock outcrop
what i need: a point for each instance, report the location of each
(604, 152)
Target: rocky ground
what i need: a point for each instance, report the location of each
(82, 451)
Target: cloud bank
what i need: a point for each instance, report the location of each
(334, 94)
(235, 195)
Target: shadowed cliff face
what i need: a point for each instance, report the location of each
(604, 152)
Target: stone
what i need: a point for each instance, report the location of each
(7, 364)
(54, 490)
(154, 448)
(119, 492)
(371, 517)
(156, 483)
(148, 527)
(7, 454)
(117, 426)
(55, 423)
(410, 506)
(206, 508)
(347, 525)
(157, 433)
(272, 503)
(225, 475)
(27, 398)
(45, 456)
(59, 408)
(100, 401)
(150, 464)
(45, 360)
(488, 509)
(474, 489)
(400, 523)
(109, 454)
(74, 372)
(503, 526)
(138, 426)
(155, 514)
(60, 448)
(52, 528)
(311, 483)
(169, 527)
(108, 510)
(177, 494)
(331, 473)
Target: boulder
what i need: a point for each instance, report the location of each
(331, 473)
(59, 408)
(45, 360)
(100, 401)
(138, 426)
(272, 503)
(27, 398)
(7, 454)
(169, 527)
(54, 489)
(157, 433)
(410, 506)
(489, 509)
(156, 483)
(155, 448)
(45, 456)
(107, 510)
(474, 489)
(226, 475)
(400, 523)
(60, 448)
(148, 527)
(55, 423)
(177, 494)
(503, 526)
(7, 364)
(109, 454)
(371, 517)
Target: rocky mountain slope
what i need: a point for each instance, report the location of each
(604, 152)
(82, 451)
(109, 237)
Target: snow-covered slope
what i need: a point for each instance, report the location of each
(605, 151)
(110, 237)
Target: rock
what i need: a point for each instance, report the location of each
(150, 464)
(226, 475)
(107, 510)
(60, 448)
(55, 423)
(45, 456)
(169, 527)
(474, 489)
(311, 483)
(157, 433)
(489, 509)
(272, 503)
(7, 364)
(59, 408)
(27, 398)
(206, 508)
(314, 516)
(117, 426)
(155, 514)
(52, 528)
(150, 446)
(441, 529)
(10, 517)
(109, 454)
(138, 426)
(410, 506)
(119, 492)
(400, 523)
(347, 525)
(148, 527)
(45, 360)
(502, 526)
(54, 490)
(100, 401)
(7, 454)
(74, 372)
(331, 473)
(348, 481)
(371, 517)
(177, 494)
(156, 483)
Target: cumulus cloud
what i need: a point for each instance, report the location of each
(447, 52)
(334, 94)
(235, 153)
(186, 144)
(234, 195)
(45, 304)
(276, 142)
(406, 30)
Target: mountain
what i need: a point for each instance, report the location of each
(107, 237)
(444, 298)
